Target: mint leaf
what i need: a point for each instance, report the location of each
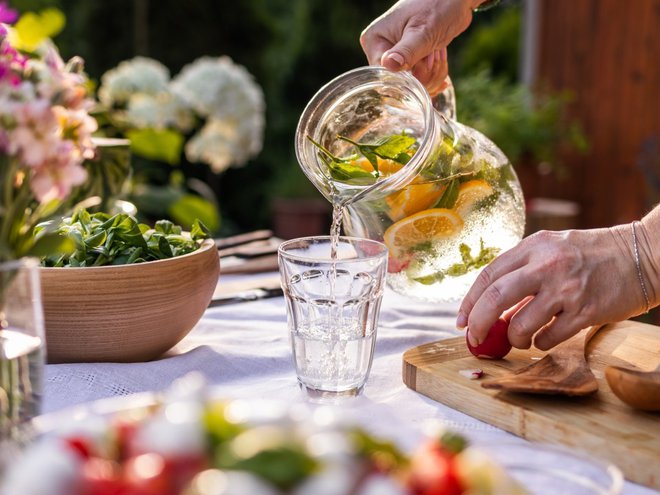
(485, 256)
(449, 195)
(396, 147)
(346, 171)
(393, 147)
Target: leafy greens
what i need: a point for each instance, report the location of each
(100, 239)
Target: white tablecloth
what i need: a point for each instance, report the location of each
(244, 350)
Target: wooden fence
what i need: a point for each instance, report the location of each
(607, 53)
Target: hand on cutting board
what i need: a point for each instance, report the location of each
(553, 284)
(414, 34)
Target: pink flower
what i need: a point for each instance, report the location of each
(45, 135)
(77, 126)
(7, 15)
(36, 132)
(55, 178)
(58, 84)
(12, 63)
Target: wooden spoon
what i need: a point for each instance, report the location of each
(563, 370)
(639, 389)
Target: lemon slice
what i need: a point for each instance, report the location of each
(424, 226)
(413, 199)
(469, 194)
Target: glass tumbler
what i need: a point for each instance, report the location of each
(21, 352)
(333, 306)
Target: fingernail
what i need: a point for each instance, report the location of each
(461, 321)
(473, 341)
(443, 54)
(396, 58)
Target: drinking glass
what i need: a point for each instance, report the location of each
(333, 305)
(21, 352)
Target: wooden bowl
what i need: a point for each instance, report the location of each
(126, 313)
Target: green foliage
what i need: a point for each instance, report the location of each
(157, 144)
(173, 199)
(107, 175)
(189, 207)
(522, 124)
(494, 46)
(100, 239)
(528, 125)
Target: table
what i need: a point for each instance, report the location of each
(243, 350)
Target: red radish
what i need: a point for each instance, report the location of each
(496, 345)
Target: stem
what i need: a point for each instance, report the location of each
(349, 140)
(324, 150)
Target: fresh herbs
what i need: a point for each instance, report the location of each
(100, 239)
(449, 196)
(398, 147)
(469, 262)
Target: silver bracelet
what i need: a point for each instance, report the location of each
(639, 267)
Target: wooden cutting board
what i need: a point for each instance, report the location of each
(599, 425)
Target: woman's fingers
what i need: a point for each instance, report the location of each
(507, 262)
(577, 278)
(432, 71)
(374, 47)
(505, 292)
(537, 313)
(563, 327)
(413, 35)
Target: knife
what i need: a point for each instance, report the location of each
(246, 296)
(240, 239)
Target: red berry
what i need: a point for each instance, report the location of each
(496, 345)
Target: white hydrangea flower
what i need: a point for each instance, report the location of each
(163, 110)
(137, 75)
(219, 88)
(221, 143)
(232, 101)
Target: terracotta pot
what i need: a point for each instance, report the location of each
(126, 313)
(300, 217)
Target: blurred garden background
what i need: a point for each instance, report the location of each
(568, 90)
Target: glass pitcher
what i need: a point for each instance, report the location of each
(442, 197)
